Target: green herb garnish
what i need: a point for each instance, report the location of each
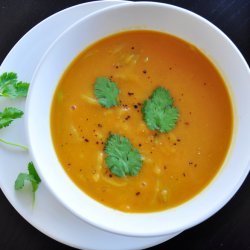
(31, 177)
(159, 112)
(6, 118)
(123, 159)
(11, 87)
(13, 144)
(9, 115)
(106, 92)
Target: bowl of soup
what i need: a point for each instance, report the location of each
(140, 125)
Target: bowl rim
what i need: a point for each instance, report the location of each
(37, 164)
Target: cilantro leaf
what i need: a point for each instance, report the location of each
(162, 97)
(161, 119)
(11, 87)
(159, 112)
(106, 92)
(32, 177)
(123, 159)
(34, 174)
(8, 115)
(22, 177)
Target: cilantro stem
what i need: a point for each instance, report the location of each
(33, 199)
(14, 144)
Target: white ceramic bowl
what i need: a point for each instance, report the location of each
(153, 16)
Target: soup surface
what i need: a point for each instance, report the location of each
(176, 165)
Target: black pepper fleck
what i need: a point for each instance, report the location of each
(73, 107)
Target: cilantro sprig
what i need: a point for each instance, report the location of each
(11, 87)
(158, 111)
(8, 115)
(32, 177)
(123, 159)
(106, 92)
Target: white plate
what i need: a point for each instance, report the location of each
(47, 215)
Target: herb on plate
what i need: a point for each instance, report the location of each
(123, 159)
(159, 112)
(8, 115)
(106, 92)
(31, 177)
(11, 87)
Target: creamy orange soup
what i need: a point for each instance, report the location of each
(176, 165)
